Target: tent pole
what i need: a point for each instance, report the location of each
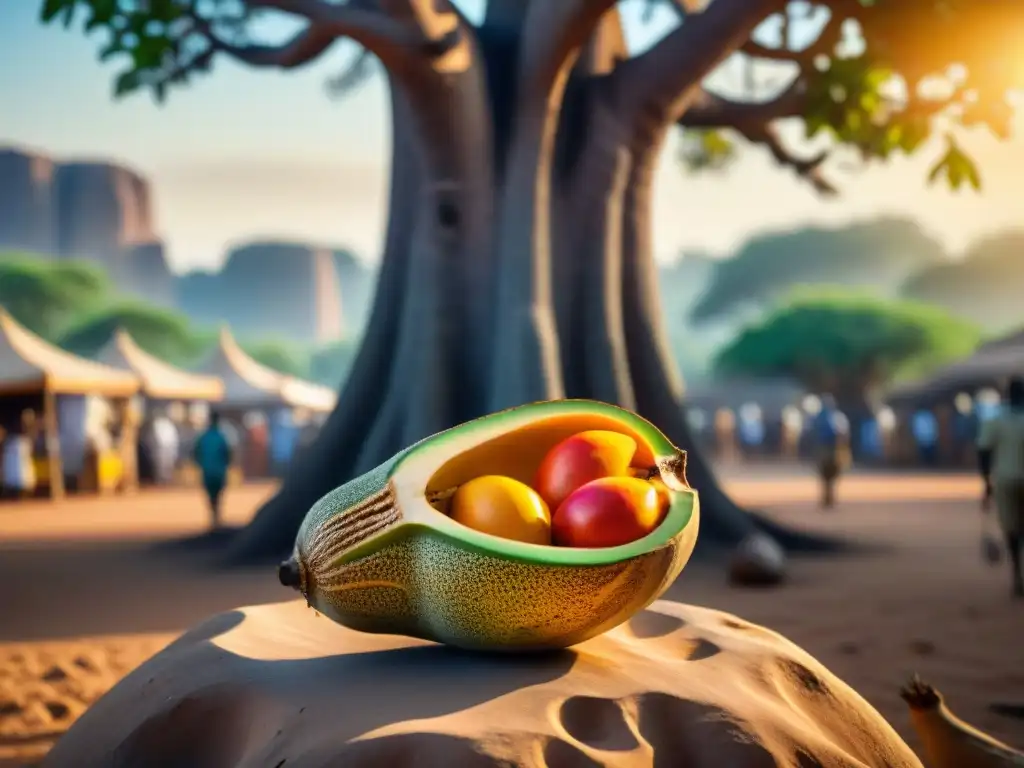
(53, 456)
(128, 447)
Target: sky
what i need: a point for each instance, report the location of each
(244, 154)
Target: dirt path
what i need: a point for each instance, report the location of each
(92, 598)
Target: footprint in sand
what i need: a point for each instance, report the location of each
(672, 730)
(648, 624)
(598, 723)
(662, 634)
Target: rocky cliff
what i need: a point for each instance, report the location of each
(27, 211)
(285, 289)
(92, 210)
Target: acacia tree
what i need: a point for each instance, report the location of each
(517, 263)
(848, 344)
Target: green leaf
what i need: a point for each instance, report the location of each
(126, 82)
(973, 174)
(114, 47)
(957, 167)
(53, 7)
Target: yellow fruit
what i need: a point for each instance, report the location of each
(502, 507)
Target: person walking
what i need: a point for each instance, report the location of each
(212, 452)
(925, 427)
(832, 452)
(1001, 463)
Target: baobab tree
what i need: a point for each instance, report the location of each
(517, 262)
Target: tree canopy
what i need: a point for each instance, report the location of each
(847, 343)
(878, 76)
(161, 332)
(46, 296)
(877, 254)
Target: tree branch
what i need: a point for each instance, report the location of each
(367, 25)
(710, 110)
(553, 34)
(306, 46)
(808, 169)
(657, 86)
(393, 37)
(824, 45)
(354, 75)
(753, 121)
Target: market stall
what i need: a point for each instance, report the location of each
(159, 381)
(958, 396)
(264, 407)
(988, 368)
(47, 391)
(174, 399)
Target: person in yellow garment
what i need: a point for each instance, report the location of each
(1001, 462)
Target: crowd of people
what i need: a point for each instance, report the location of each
(261, 445)
(166, 444)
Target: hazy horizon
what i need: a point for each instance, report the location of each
(241, 155)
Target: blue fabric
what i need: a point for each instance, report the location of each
(871, 438)
(751, 431)
(284, 435)
(825, 431)
(925, 428)
(213, 455)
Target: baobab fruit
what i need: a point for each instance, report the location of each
(608, 513)
(445, 541)
(577, 460)
(501, 506)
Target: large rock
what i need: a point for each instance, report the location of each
(147, 274)
(27, 215)
(758, 561)
(299, 291)
(104, 209)
(277, 687)
(84, 210)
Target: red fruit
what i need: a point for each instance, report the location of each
(579, 459)
(608, 512)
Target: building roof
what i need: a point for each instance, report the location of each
(160, 380)
(29, 363)
(988, 367)
(250, 384)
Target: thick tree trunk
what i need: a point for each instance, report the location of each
(419, 369)
(559, 297)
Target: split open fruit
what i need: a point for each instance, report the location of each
(531, 528)
(598, 499)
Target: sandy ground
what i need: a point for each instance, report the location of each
(86, 594)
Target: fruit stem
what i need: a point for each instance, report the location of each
(440, 499)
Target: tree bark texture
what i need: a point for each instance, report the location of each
(517, 265)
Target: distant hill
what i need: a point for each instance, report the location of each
(84, 209)
(986, 286)
(875, 255)
(293, 290)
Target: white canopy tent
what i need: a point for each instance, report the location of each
(250, 385)
(160, 380)
(30, 365)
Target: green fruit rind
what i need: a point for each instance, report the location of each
(366, 567)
